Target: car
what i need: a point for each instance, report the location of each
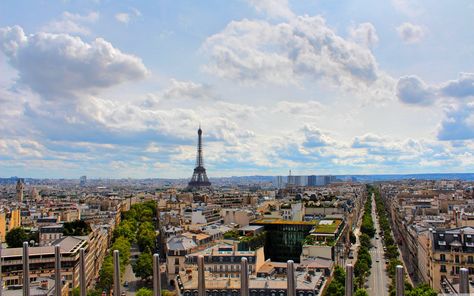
(125, 284)
(123, 294)
(377, 260)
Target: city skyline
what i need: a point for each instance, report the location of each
(117, 90)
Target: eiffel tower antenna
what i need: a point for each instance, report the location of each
(199, 178)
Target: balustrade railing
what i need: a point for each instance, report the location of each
(244, 277)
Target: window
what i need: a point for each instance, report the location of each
(442, 268)
(176, 261)
(470, 259)
(442, 257)
(456, 259)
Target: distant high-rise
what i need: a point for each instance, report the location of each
(20, 186)
(82, 181)
(199, 178)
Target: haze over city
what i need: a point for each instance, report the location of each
(118, 89)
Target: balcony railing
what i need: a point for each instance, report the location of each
(244, 275)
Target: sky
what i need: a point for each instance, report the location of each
(118, 89)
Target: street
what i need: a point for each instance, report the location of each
(129, 276)
(378, 279)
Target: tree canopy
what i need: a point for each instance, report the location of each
(16, 237)
(76, 227)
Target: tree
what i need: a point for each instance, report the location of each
(361, 292)
(94, 293)
(76, 227)
(365, 240)
(76, 291)
(16, 237)
(143, 267)
(339, 274)
(144, 292)
(146, 237)
(123, 246)
(335, 289)
(352, 237)
(421, 290)
(106, 274)
(127, 229)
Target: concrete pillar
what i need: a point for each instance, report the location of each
(349, 279)
(116, 273)
(464, 281)
(26, 270)
(290, 278)
(57, 271)
(201, 276)
(244, 277)
(1, 279)
(156, 275)
(82, 272)
(399, 281)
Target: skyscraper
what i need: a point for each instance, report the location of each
(20, 186)
(199, 178)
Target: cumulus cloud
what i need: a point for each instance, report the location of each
(60, 66)
(364, 34)
(459, 88)
(458, 123)
(273, 8)
(410, 33)
(72, 23)
(456, 95)
(308, 108)
(412, 90)
(187, 90)
(314, 137)
(367, 140)
(125, 17)
(252, 51)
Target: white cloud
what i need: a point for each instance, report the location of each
(458, 123)
(122, 17)
(455, 95)
(253, 51)
(308, 108)
(125, 17)
(187, 90)
(314, 137)
(72, 23)
(364, 34)
(462, 87)
(410, 8)
(60, 66)
(412, 90)
(273, 8)
(410, 33)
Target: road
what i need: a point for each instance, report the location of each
(129, 276)
(355, 247)
(378, 279)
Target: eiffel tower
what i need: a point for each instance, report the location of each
(199, 178)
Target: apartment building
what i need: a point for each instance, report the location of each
(451, 249)
(223, 260)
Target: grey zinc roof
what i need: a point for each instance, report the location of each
(180, 243)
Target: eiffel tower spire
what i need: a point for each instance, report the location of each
(199, 178)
